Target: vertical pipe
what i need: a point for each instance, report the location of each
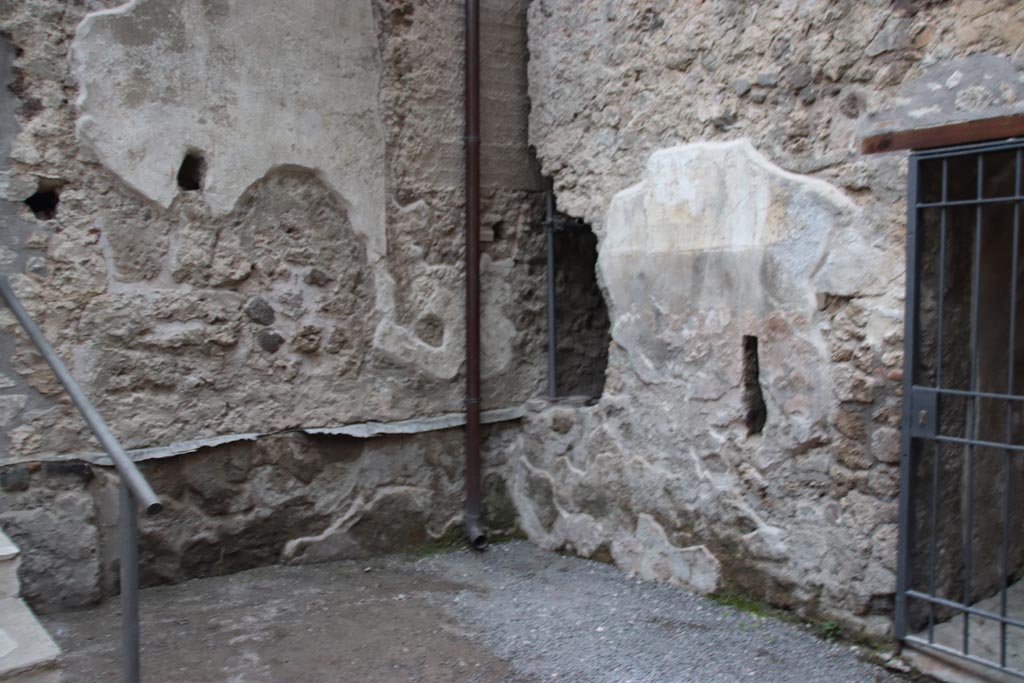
(474, 512)
(129, 523)
(552, 319)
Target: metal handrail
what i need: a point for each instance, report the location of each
(135, 490)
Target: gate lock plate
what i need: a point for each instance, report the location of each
(924, 412)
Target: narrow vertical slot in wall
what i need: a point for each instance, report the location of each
(755, 412)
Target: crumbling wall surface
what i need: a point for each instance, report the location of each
(289, 498)
(752, 261)
(314, 278)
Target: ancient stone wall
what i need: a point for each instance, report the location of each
(752, 261)
(309, 271)
(248, 218)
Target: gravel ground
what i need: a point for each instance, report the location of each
(564, 619)
(513, 614)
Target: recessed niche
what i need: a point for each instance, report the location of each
(192, 171)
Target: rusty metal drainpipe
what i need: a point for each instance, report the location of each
(473, 519)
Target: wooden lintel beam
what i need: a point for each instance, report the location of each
(961, 133)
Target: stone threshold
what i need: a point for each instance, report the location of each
(359, 430)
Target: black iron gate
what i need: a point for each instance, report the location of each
(961, 549)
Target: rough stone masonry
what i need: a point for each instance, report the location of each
(752, 262)
(245, 218)
(254, 226)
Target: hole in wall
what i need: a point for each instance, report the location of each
(755, 413)
(582, 324)
(192, 171)
(44, 201)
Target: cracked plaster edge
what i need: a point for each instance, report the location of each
(360, 430)
(375, 244)
(746, 146)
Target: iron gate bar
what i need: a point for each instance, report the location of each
(972, 409)
(1004, 550)
(971, 202)
(966, 150)
(988, 663)
(974, 420)
(969, 442)
(933, 552)
(906, 512)
(977, 611)
(980, 394)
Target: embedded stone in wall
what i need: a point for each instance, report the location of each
(247, 86)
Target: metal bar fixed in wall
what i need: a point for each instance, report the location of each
(960, 551)
(549, 236)
(135, 490)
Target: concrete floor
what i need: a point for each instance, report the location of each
(514, 613)
(984, 642)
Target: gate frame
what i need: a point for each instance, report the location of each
(910, 443)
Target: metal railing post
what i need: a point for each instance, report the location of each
(129, 522)
(134, 489)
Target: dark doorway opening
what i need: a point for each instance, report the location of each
(578, 324)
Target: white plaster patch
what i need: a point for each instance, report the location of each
(710, 195)
(253, 85)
